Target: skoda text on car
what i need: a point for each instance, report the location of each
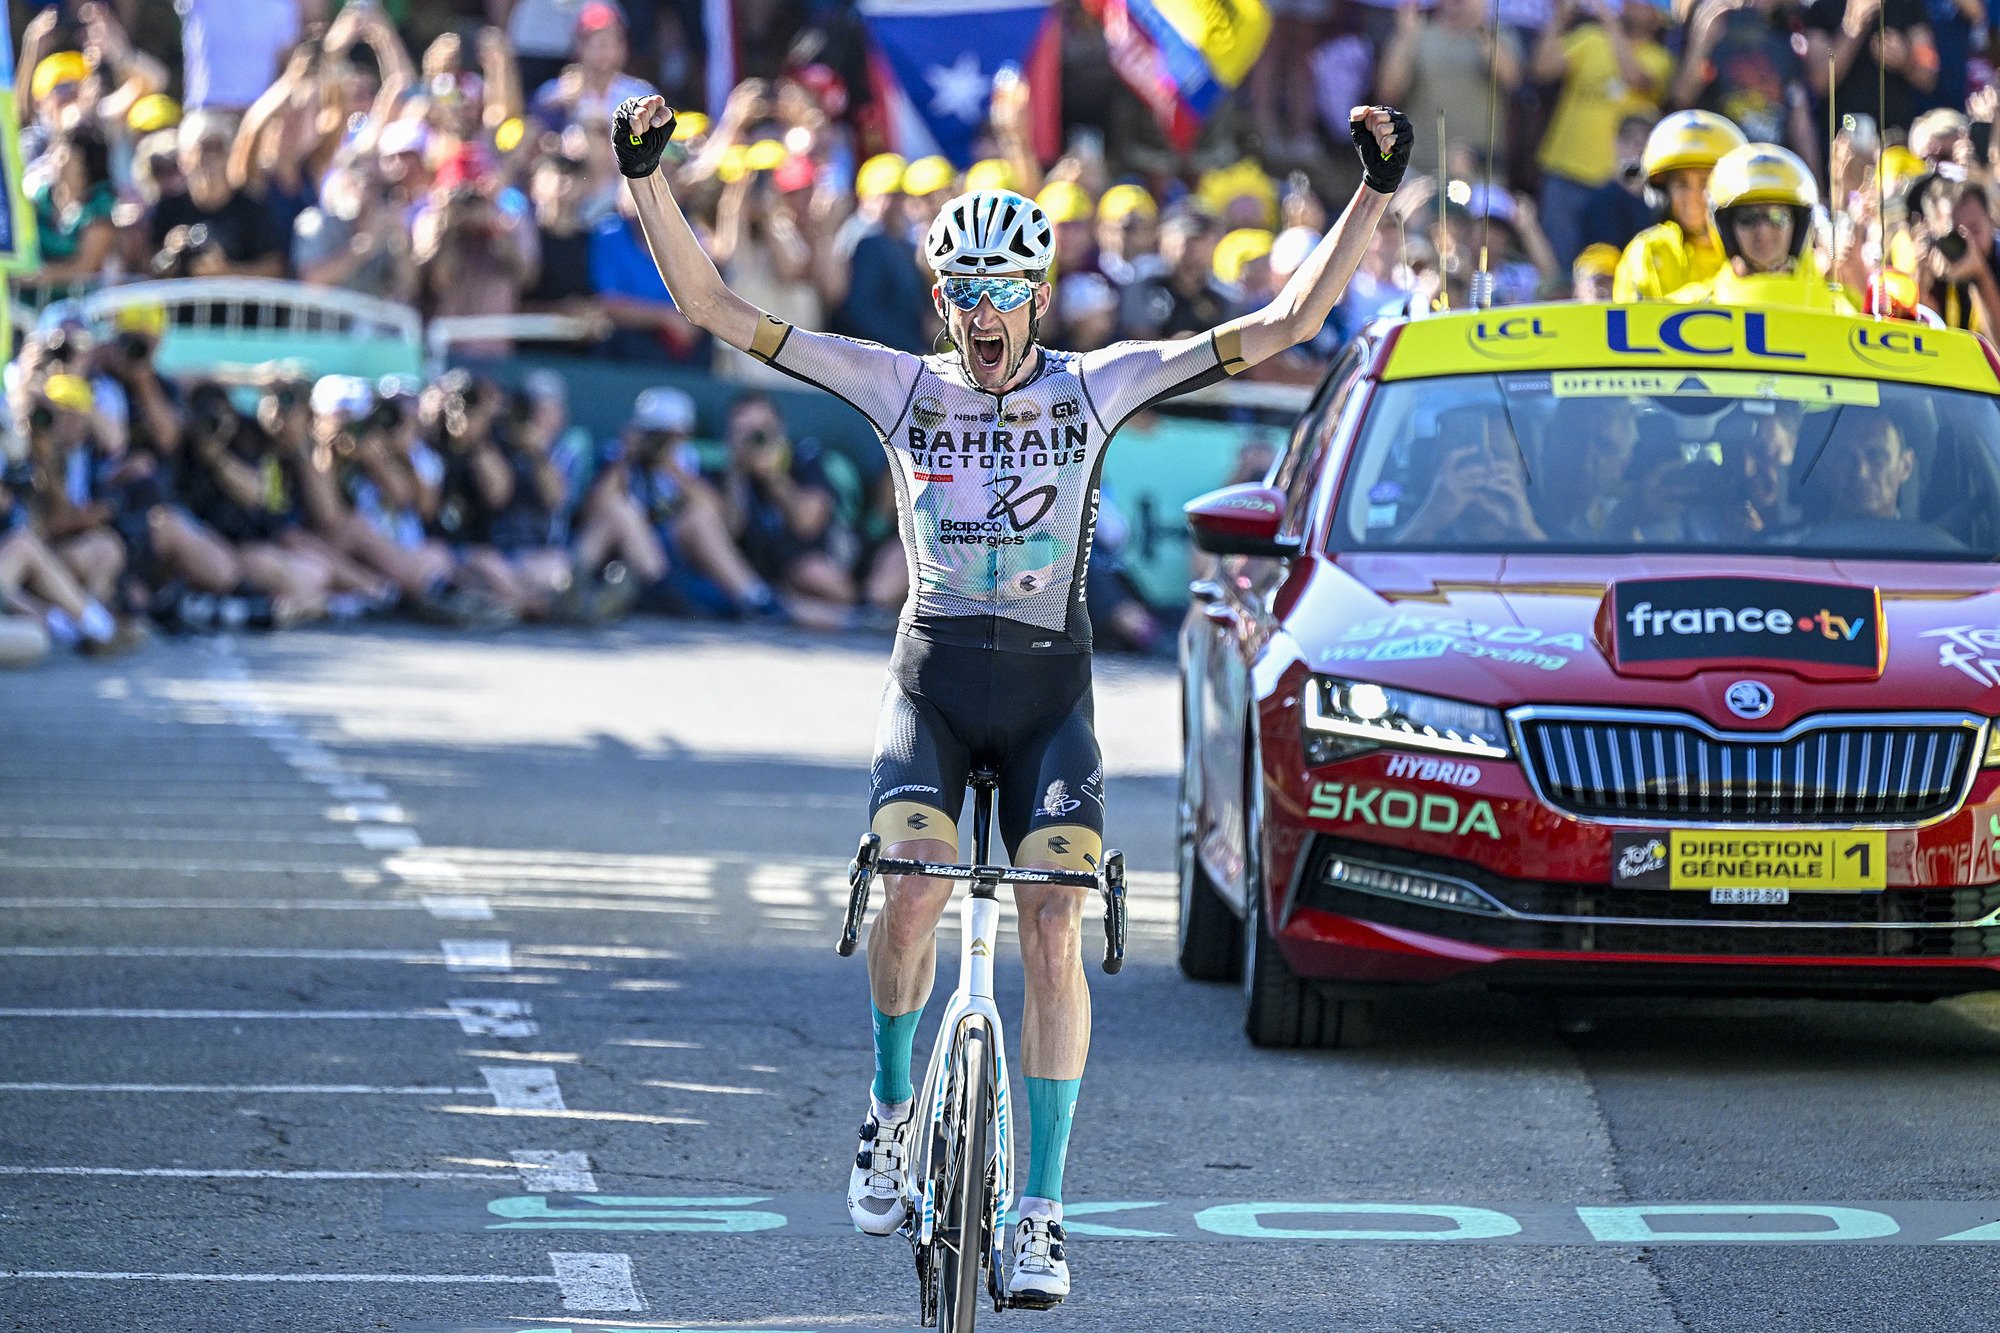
(1604, 647)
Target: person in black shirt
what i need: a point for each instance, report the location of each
(501, 494)
(560, 187)
(1846, 30)
(1185, 299)
(236, 228)
(1617, 210)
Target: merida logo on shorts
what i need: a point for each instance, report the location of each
(1723, 619)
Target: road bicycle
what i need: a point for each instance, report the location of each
(960, 1184)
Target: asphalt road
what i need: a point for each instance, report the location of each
(383, 980)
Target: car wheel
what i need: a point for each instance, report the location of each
(1209, 945)
(1280, 1008)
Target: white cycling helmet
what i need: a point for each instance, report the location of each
(990, 231)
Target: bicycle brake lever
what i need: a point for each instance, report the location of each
(1114, 912)
(860, 871)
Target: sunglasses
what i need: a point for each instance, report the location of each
(1005, 293)
(1775, 216)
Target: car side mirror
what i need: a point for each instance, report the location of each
(1241, 520)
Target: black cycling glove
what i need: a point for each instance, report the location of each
(1382, 171)
(639, 154)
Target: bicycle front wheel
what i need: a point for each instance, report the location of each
(962, 1233)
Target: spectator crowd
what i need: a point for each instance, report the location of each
(454, 156)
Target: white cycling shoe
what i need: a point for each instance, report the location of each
(875, 1198)
(1041, 1273)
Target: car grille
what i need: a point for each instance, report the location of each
(1877, 770)
(1912, 924)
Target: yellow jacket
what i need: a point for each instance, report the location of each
(1802, 288)
(1660, 261)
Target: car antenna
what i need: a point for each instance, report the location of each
(1482, 280)
(1836, 197)
(1881, 156)
(1443, 300)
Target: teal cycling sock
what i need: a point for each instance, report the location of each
(1051, 1107)
(894, 1038)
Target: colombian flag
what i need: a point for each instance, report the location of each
(1183, 56)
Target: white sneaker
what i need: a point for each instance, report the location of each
(1041, 1273)
(875, 1197)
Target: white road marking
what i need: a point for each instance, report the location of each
(190, 1173)
(252, 1089)
(530, 1089)
(493, 1018)
(613, 1117)
(214, 905)
(176, 866)
(371, 812)
(437, 1279)
(358, 791)
(477, 955)
(554, 1172)
(447, 957)
(386, 837)
(457, 907)
(478, 1017)
(82, 833)
(704, 1087)
(596, 1281)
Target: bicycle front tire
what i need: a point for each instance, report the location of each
(962, 1230)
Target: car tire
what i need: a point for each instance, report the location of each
(1209, 942)
(1281, 1009)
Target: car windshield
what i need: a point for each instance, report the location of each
(1719, 462)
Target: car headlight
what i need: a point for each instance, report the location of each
(1348, 716)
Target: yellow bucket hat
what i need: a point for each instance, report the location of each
(879, 175)
(928, 175)
(70, 391)
(60, 68)
(1065, 201)
(1234, 252)
(992, 174)
(154, 111)
(1121, 201)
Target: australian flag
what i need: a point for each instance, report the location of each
(943, 55)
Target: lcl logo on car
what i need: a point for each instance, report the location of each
(1511, 339)
(1888, 348)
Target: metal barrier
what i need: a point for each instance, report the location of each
(232, 325)
(449, 330)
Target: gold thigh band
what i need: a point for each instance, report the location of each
(1070, 846)
(906, 821)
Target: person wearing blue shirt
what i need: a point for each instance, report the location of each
(646, 326)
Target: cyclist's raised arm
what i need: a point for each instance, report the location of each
(640, 132)
(874, 379)
(1383, 137)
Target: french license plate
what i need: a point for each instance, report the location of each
(1751, 897)
(1718, 861)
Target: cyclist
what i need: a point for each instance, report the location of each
(994, 450)
(1681, 247)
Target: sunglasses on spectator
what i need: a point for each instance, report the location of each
(1773, 216)
(1005, 293)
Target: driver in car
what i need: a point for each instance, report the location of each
(1865, 468)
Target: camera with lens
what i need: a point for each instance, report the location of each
(135, 347)
(1953, 246)
(184, 250)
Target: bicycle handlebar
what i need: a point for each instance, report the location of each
(869, 862)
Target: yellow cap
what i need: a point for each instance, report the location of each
(879, 175)
(154, 111)
(1065, 201)
(1235, 251)
(62, 67)
(510, 133)
(1124, 200)
(70, 391)
(992, 174)
(1688, 140)
(765, 155)
(1596, 261)
(1223, 186)
(928, 175)
(687, 124)
(149, 318)
(1900, 164)
(1761, 173)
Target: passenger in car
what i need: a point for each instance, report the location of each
(1480, 492)
(1586, 453)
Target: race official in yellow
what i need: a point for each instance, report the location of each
(1682, 247)
(1762, 197)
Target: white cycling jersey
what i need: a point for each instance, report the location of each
(997, 494)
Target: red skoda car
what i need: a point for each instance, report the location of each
(1603, 648)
